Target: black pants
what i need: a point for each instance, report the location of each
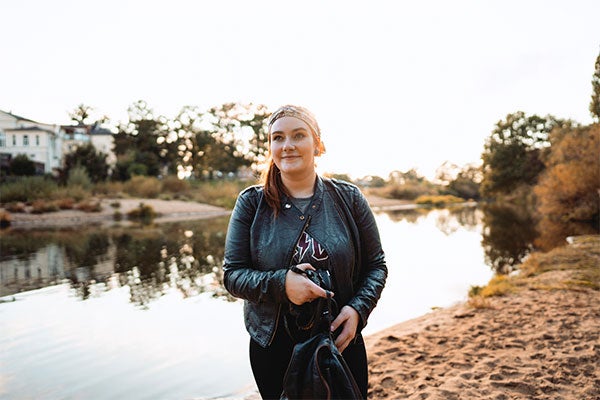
(269, 364)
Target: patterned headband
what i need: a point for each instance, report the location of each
(297, 112)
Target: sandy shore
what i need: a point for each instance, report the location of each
(168, 210)
(533, 344)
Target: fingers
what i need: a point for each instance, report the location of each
(348, 318)
(305, 266)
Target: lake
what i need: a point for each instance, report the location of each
(140, 312)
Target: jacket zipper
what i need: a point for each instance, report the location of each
(289, 264)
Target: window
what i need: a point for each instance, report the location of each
(14, 140)
(37, 140)
(2, 139)
(25, 140)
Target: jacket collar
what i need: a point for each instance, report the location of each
(317, 197)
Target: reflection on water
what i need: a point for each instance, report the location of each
(187, 256)
(149, 260)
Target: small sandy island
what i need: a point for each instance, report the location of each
(168, 210)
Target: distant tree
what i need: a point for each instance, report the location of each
(569, 188)
(144, 139)
(221, 140)
(81, 114)
(467, 183)
(340, 177)
(512, 152)
(595, 103)
(21, 165)
(89, 158)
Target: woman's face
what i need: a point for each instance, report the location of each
(293, 146)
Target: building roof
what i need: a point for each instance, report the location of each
(28, 129)
(17, 116)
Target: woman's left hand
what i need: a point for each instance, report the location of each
(348, 318)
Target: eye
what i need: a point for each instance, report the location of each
(276, 138)
(299, 135)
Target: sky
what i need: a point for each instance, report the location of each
(395, 85)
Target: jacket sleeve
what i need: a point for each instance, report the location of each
(373, 271)
(241, 279)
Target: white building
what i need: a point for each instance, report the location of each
(41, 143)
(101, 138)
(47, 144)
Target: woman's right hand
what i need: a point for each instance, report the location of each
(299, 289)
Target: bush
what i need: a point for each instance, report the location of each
(143, 213)
(66, 203)
(42, 206)
(27, 189)
(78, 176)
(173, 184)
(143, 186)
(17, 207)
(5, 219)
(90, 205)
(110, 189)
(438, 201)
(218, 193)
(76, 193)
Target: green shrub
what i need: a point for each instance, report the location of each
(438, 201)
(27, 189)
(78, 176)
(77, 193)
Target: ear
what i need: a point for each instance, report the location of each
(316, 152)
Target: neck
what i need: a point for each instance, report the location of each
(300, 186)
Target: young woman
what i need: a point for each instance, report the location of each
(296, 218)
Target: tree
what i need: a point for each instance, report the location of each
(512, 152)
(21, 165)
(467, 183)
(144, 140)
(595, 103)
(220, 140)
(92, 160)
(81, 114)
(568, 189)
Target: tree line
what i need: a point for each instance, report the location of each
(548, 163)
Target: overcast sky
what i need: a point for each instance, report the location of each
(394, 84)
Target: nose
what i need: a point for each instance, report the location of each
(288, 145)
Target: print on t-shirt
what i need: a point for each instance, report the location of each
(308, 249)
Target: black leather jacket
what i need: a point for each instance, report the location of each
(259, 249)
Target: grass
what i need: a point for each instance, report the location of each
(15, 196)
(575, 266)
(438, 201)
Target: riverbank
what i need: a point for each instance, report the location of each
(167, 210)
(541, 340)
